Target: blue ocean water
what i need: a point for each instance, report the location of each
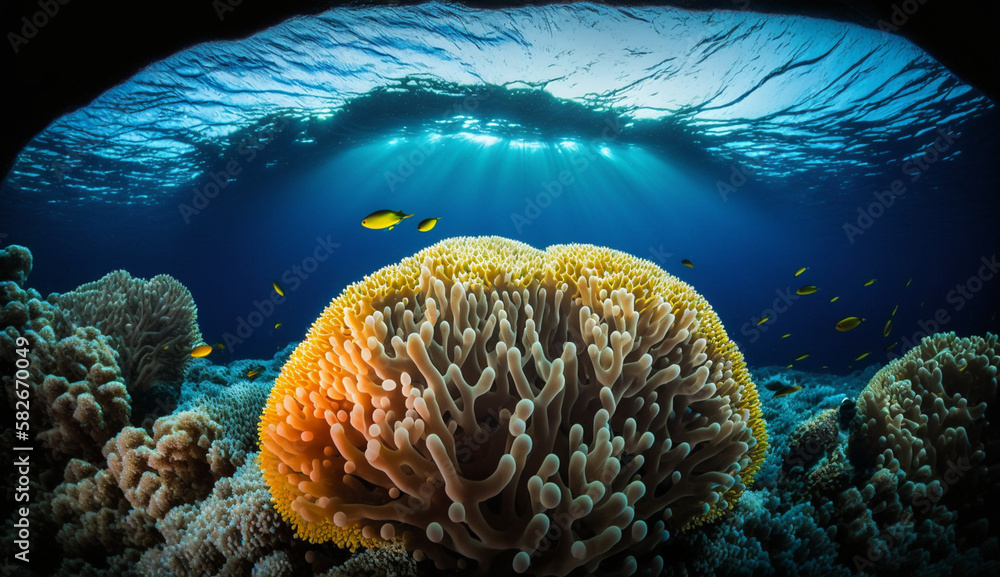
(752, 145)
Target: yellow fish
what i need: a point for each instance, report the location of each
(788, 367)
(277, 325)
(908, 281)
(834, 299)
(861, 356)
(278, 289)
(892, 346)
(806, 290)
(201, 351)
(870, 282)
(788, 391)
(220, 346)
(825, 367)
(801, 270)
(896, 308)
(802, 357)
(763, 320)
(687, 263)
(427, 224)
(887, 329)
(848, 324)
(165, 347)
(786, 335)
(253, 373)
(384, 219)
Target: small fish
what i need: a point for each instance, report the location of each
(278, 289)
(806, 290)
(165, 347)
(801, 270)
(861, 356)
(887, 329)
(908, 281)
(253, 373)
(787, 391)
(896, 308)
(825, 367)
(220, 346)
(870, 282)
(763, 320)
(802, 357)
(786, 335)
(201, 351)
(848, 324)
(788, 367)
(384, 219)
(892, 346)
(427, 224)
(687, 263)
(834, 299)
(277, 325)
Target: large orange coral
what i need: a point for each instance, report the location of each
(542, 410)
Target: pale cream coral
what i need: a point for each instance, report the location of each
(179, 464)
(923, 413)
(539, 411)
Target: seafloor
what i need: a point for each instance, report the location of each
(138, 470)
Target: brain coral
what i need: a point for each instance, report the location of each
(540, 411)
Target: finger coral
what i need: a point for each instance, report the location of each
(926, 417)
(539, 411)
(154, 324)
(924, 412)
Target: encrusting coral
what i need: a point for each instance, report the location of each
(543, 411)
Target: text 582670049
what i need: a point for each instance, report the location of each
(22, 449)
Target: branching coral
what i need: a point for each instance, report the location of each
(154, 324)
(179, 464)
(228, 533)
(541, 410)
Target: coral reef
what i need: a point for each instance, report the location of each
(179, 464)
(580, 398)
(153, 323)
